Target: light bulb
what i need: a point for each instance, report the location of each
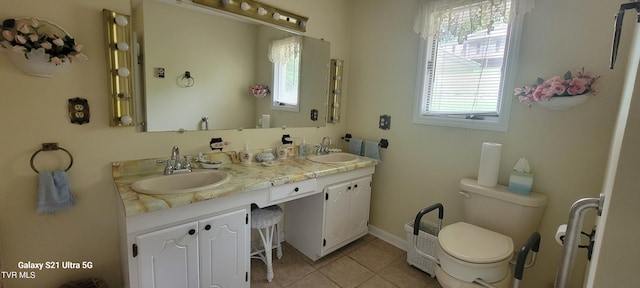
(126, 120)
(121, 20)
(122, 46)
(262, 11)
(245, 6)
(303, 23)
(123, 72)
(226, 2)
(276, 16)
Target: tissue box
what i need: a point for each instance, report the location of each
(520, 182)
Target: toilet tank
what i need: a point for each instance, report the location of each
(497, 209)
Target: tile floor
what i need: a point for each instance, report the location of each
(367, 263)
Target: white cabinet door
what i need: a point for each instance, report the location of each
(359, 206)
(346, 212)
(224, 250)
(168, 258)
(336, 205)
(319, 224)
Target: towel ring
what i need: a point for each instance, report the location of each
(51, 147)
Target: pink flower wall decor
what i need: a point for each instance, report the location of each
(570, 85)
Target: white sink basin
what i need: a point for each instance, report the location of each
(180, 183)
(334, 158)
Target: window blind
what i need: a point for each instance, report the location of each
(286, 82)
(464, 63)
(465, 78)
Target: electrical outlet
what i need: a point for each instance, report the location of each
(79, 111)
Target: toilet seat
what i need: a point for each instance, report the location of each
(468, 252)
(474, 244)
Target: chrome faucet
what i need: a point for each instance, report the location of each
(174, 165)
(175, 157)
(324, 146)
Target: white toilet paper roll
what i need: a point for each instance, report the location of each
(562, 230)
(489, 164)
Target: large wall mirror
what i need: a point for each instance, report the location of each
(224, 56)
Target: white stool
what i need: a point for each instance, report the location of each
(267, 219)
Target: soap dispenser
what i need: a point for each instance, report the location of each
(302, 150)
(246, 156)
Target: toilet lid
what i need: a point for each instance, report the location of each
(474, 244)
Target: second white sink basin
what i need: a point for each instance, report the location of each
(334, 158)
(180, 183)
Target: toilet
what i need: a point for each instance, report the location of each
(496, 223)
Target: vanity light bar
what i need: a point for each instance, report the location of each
(118, 38)
(259, 11)
(335, 90)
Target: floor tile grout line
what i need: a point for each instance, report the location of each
(395, 260)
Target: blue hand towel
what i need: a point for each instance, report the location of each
(372, 150)
(54, 193)
(355, 146)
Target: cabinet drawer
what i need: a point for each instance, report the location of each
(292, 191)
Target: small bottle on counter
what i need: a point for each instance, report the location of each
(302, 150)
(246, 156)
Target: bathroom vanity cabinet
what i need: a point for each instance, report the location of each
(346, 212)
(203, 239)
(344, 206)
(209, 252)
(212, 250)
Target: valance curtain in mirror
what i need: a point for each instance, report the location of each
(444, 19)
(283, 50)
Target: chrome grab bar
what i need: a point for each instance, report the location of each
(574, 227)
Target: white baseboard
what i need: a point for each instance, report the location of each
(388, 237)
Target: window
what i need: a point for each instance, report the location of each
(285, 56)
(467, 56)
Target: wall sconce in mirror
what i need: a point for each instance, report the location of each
(335, 89)
(259, 11)
(118, 38)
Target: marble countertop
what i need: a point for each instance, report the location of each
(244, 178)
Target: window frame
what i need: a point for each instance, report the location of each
(278, 70)
(492, 123)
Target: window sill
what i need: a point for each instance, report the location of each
(288, 108)
(499, 123)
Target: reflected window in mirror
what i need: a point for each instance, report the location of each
(285, 56)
